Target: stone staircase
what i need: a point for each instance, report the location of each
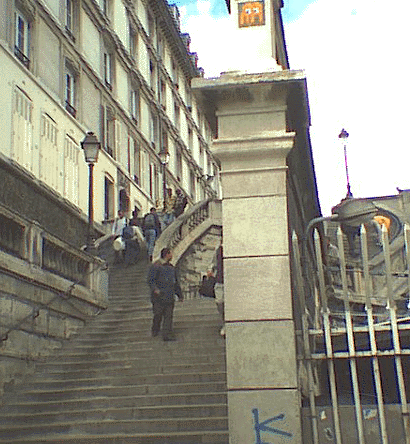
(114, 383)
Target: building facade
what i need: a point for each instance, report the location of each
(120, 69)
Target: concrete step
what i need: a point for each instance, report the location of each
(122, 413)
(130, 390)
(103, 402)
(137, 363)
(144, 350)
(108, 426)
(202, 341)
(48, 382)
(208, 437)
(129, 370)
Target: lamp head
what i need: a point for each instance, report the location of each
(344, 135)
(91, 147)
(164, 157)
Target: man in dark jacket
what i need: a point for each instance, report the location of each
(151, 227)
(163, 282)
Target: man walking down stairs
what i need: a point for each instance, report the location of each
(115, 383)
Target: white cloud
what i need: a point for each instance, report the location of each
(354, 55)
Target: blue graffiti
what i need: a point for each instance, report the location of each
(263, 427)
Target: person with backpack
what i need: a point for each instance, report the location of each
(132, 246)
(152, 230)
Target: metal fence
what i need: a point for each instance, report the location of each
(353, 337)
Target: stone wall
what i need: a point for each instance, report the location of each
(48, 286)
(26, 196)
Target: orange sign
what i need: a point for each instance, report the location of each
(251, 14)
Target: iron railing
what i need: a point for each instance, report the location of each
(354, 339)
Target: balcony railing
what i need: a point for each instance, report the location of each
(22, 57)
(11, 236)
(70, 109)
(27, 241)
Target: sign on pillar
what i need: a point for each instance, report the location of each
(253, 39)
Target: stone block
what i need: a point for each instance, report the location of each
(19, 311)
(255, 226)
(5, 308)
(56, 327)
(255, 183)
(249, 122)
(71, 327)
(264, 416)
(41, 322)
(257, 288)
(261, 354)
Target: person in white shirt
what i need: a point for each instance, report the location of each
(119, 224)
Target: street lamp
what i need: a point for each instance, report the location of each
(164, 158)
(91, 147)
(343, 136)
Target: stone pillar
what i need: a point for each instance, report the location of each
(252, 145)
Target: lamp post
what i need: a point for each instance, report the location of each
(343, 136)
(164, 157)
(91, 147)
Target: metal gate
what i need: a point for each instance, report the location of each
(353, 335)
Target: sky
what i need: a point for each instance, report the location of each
(353, 53)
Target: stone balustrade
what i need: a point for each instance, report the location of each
(48, 290)
(193, 238)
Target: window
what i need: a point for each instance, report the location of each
(108, 130)
(133, 43)
(137, 161)
(190, 138)
(108, 198)
(49, 153)
(164, 141)
(209, 165)
(192, 183)
(188, 97)
(71, 182)
(161, 47)
(69, 17)
(22, 131)
(163, 94)
(70, 89)
(106, 7)
(108, 69)
(135, 105)
(151, 180)
(178, 162)
(177, 116)
(151, 27)
(153, 78)
(22, 39)
(201, 154)
(154, 130)
(175, 74)
(199, 119)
